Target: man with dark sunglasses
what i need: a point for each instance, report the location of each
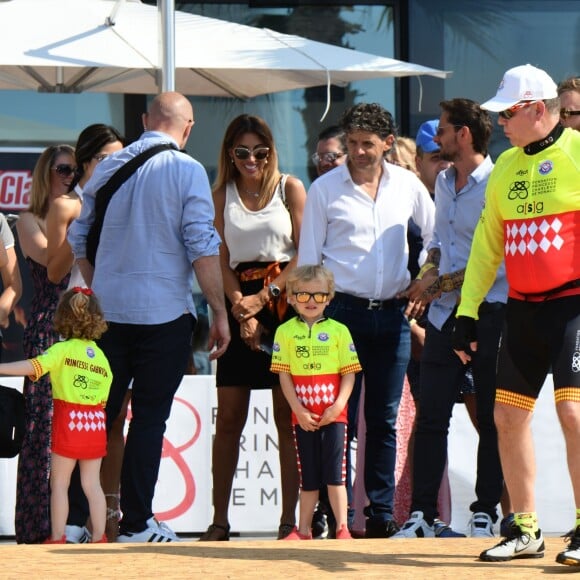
(530, 220)
(330, 149)
(569, 93)
(463, 136)
(355, 223)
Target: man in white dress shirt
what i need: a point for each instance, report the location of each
(355, 223)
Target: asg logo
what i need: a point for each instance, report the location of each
(545, 167)
(531, 207)
(518, 190)
(276, 347)
(351, 347)
(312, 366)
(323, 337)
(576, 362)
(90, 352)
(302, 352)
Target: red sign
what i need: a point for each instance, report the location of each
(15, 189)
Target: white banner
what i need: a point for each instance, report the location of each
(183, 494)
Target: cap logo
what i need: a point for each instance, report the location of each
(528, 95)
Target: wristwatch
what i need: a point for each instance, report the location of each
(274, 290)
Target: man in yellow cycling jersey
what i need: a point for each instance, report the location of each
(532, 220)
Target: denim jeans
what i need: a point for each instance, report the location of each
(155, 358)
(383, 343)
(442, 375)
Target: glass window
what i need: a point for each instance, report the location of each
(28, 118)
(479, 41)
(294, 116)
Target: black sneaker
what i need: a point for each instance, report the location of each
(319, 525)
(571, 555)
(381, 529)
(507, 527)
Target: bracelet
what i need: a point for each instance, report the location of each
(446, 283)
(424, 269)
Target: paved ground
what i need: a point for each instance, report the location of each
(268, 559)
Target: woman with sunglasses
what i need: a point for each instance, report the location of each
(258, 215)
(52, 176)
(94, 144)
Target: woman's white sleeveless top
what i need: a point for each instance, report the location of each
(258, 236)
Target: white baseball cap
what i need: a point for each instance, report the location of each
(522, 83)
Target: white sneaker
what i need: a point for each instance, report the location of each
(521, 546)
(481, 526)
(154, 532)
(416, 527)
(77, 535)
(571, 555)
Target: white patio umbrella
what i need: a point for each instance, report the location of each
(115, 46)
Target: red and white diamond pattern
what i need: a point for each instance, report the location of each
(87, 421)
(312, 396)
(529, 236)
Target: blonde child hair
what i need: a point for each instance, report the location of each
(308, 273)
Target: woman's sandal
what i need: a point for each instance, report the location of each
(216, 533)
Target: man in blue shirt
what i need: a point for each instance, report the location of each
(463, 135)
(158, 225)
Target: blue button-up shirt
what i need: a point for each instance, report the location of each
(456, 215)
(157, 224)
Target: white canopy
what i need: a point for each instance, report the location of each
(114, 46)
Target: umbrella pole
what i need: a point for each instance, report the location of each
(166, 9)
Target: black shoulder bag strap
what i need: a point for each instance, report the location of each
(106, 192)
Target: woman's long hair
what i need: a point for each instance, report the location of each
(40, 188)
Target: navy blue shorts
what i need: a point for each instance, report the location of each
(321, 456)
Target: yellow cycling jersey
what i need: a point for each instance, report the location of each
(79, 371)
(316, 357)
(531, 219)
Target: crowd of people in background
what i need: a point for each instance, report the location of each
(407, 267)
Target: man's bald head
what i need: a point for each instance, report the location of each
(170, 113)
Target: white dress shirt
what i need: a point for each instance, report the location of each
(361, 240)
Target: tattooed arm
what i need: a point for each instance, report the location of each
(444, 283)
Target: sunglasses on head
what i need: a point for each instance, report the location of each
(64, 169)
(304, 297)
(259, 153)
(329, 157)
(509, 113)
(567, 113)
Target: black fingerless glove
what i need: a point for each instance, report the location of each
(464, 333)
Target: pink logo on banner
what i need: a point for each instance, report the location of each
(173, 452)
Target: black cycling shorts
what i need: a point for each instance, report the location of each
(539, 337)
